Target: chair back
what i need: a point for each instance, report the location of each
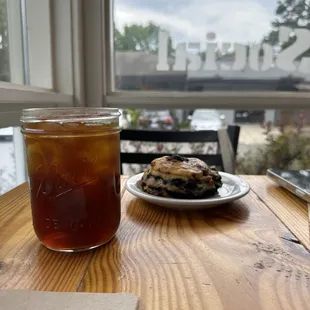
(205, 136)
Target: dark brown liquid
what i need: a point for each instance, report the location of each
(75, 189)
(75, 216)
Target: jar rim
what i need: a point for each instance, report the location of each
(70, 114)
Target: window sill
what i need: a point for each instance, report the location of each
(212, 99)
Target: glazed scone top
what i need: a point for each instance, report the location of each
(180, 166)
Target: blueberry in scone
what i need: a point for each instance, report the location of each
(180, 177)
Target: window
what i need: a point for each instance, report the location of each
(36, 69)
(12, 164)
(222, 53)
(32, 69)
(7, 166)
(23, 55)
(276, 138)
(4, 53)
(247, 59)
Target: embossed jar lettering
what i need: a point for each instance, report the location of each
(73, 158)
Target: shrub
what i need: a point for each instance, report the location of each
(134, 115)
(184, 125)
(290, 149)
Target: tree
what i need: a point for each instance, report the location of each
(293, 14)
(139, 38)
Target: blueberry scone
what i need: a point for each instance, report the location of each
(179, 177)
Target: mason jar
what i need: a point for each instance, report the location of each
(73, 159)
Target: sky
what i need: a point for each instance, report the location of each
(234, 21)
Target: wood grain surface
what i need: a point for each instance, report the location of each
(24, 262)
(231, 257)
(291, 210)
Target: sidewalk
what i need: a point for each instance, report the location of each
(251, 137)
(252, 134)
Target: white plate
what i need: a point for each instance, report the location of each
(233, 188)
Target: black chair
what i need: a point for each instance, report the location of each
(177, 136)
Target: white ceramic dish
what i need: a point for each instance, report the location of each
(233, 188)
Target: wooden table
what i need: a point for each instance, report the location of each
(251, 254)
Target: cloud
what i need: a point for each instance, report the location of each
(241, 21)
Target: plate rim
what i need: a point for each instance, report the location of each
(245, 188)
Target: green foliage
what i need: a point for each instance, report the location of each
(134, 115)
(139, 38)
(184, 125)
(290, 13)
(290, 149)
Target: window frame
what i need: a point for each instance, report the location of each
(14, 13)
(82, 69)
(14, 98)
(58, 29)
(249, 100)
(60, 25)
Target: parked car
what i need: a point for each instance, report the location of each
(157, 120)
(253, 116)
(6, 134)
(206, 119)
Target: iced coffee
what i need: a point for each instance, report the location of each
(73, 158)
